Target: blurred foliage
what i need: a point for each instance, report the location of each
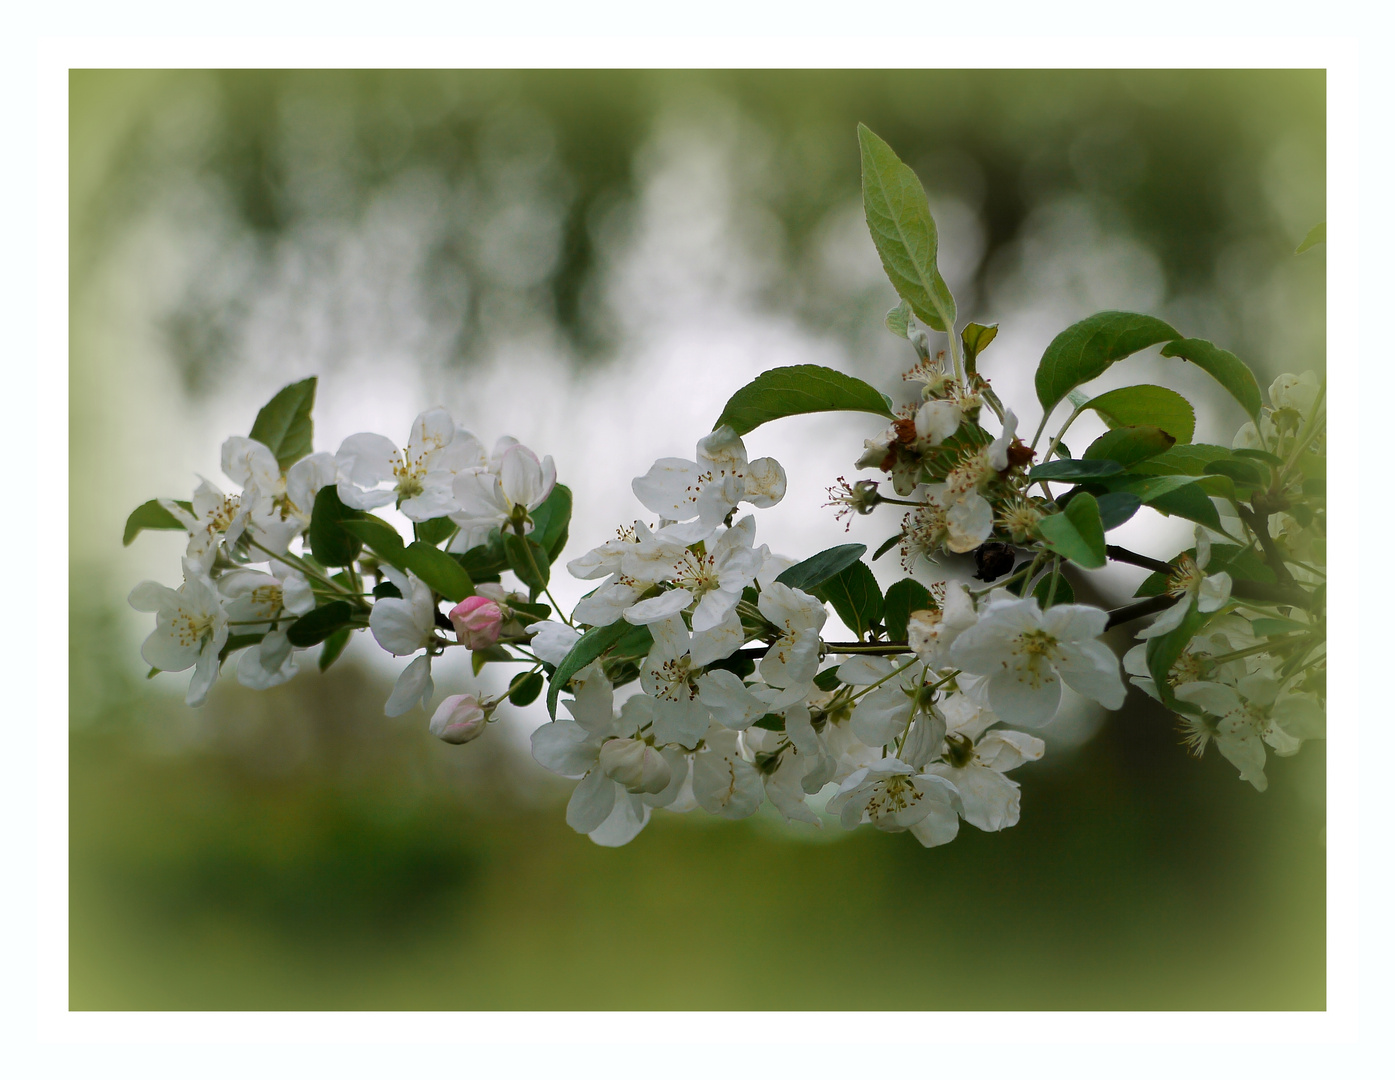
(526, 174)
(296, 849)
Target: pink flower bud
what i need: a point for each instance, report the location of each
(477, 620)
(459, 719)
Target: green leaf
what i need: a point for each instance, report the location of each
(827, 680)
(855, 596)
(898, 216)
(1147, 488)
(814, 571)
(885, 546)
(1225, 367)
(386, 590)
(151, 515)
(590, 646)
(380, 537)
(976, 337)
(1085, 350)
(284, 425)
(528, 560)
(898, 319)
(1316, 235)
(525, 688)
(315, 626)
(1054, 589)
(334, 646)
(493, 653)
(1162, 651)
(1146, 404)
(1184, 460)
(1242, 472)
(791, 391)
(1116, 507)
(234, 642)
(330, 542)
(902, 598)
(435, 530)
(1130, 445)
(1068, 469)
(487, 561)
(551, 520)
(439, 571)
(1189, 502)
(1274, 627)
(1076, 532)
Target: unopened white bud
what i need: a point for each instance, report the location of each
(636, 765)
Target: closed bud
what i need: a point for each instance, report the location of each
(459, 719)
(477, 620)
(636, 765)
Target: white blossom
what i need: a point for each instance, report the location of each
(711, 487)
(421, 476)
(1190, 585)
(489, 500)
(1025, 652)
(895, 797)
(191, 627)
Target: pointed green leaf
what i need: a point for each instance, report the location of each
(1116, 507)
(1054, 589)
(855, 596)
(1190, 459)
(234, 642)
(284, 424)
(976, 338)
(151, 515)
(1145, 404)
(1130, 445)
(551, 520)
(902, 598)
(1242, 472)
(1226, 368)
(380, 537)
(814, 571)
(898, 319)
(528, 560)
(334, 646)
(802, 388)
(898, 216)
(885, 546)
(434, 531)
(330, 542)
(439, 571)
(1076, 532)
(1316, 235)
(1070, 469)
(525, 688)
(1085, 350)
(590, 646)
(315, 626)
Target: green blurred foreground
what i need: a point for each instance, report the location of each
(1138, 879)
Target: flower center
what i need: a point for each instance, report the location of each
(672, 680)
(892, 795)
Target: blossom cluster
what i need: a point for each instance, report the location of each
(703, 671)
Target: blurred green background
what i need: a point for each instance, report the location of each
(295, 849)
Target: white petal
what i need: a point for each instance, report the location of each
(625, 821)
(592, 801)
(564, 747)
(414, 686)
(1023, 697)
(660, 607)
(395, 627)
